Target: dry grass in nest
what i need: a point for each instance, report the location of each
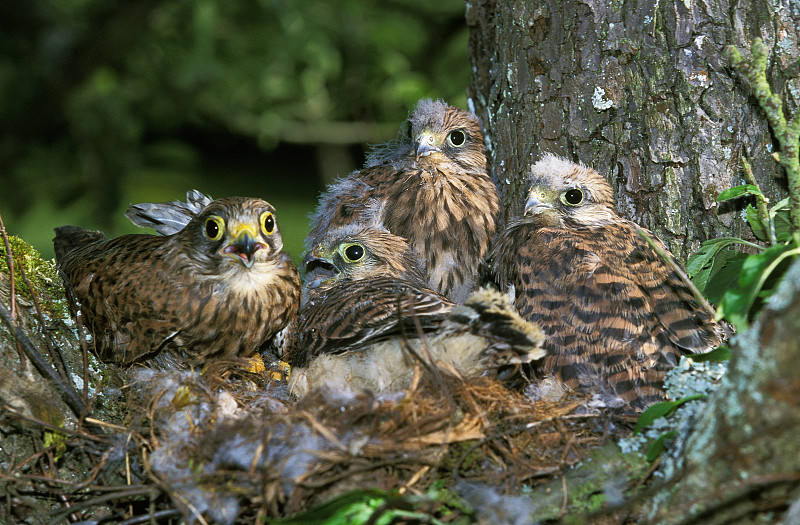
(269, 456)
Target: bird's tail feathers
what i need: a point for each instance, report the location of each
(70, 237)
(490, 314)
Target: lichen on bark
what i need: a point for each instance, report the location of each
(742, 457)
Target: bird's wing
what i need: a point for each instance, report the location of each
(688, 325)
(351, 315)
(167, 218)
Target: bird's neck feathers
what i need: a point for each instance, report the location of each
(591, 216)
(441, 166)
(236, 280)
(585, 218)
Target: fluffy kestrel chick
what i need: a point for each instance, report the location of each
(431, 189)
(358, 251)
(615, 314)
(218, 288)
(369, 319)
(369, 335)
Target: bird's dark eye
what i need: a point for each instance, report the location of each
(214, 227)
(267, 222)
(573, 197)
(456, 138)
(354, 253)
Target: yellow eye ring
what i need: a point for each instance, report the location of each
(457, 138)
(572, 197)
(353, 252)
(267, 221)
(214, 228)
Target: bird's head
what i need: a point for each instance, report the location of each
(356, 252)
(561, 193)
(236, 231)
(438, 131)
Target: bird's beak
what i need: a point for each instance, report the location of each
(318, 269)
(539, 209)
(244, 246)
(425, 144)
(535, 205)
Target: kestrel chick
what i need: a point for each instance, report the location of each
(369, 334)
(613, 311)
(432, 189)
(369, 317)
(218, 288)
(358, 251)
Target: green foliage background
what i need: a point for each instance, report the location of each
(104, 103)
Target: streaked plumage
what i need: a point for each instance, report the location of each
(367, 322)
(614, 313)
(432, 189)
(217, 289)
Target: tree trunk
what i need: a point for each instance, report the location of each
(741, 461)
(642, 92)
(639, 90)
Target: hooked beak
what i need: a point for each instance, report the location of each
(535, 205)
(318, 270)
(244, 246)
(425, 144)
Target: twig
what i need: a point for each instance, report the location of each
(10, 262)
(68, 393)
(564, 499)
(130, 492)
(152, 516)
(12, 278)
(787, 133)
(55, 428)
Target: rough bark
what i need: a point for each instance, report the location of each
(641, 91)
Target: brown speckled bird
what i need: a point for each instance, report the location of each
(432, 190)
(361, 325)
(358, 251)
(217, 289)
(614, 313)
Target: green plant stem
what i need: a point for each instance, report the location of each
(787, 133)
(761, 203)
(767, 272)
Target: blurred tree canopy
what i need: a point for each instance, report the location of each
(106, 102)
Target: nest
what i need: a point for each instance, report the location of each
(146, 446)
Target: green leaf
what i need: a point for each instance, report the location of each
(758, 227)
(659, 445)
(737, 301)
(738, 191)
(717, 355)
(724, 274)
(706, 253)
(783, 226)
(652, 413)
(661, 409)
(354, 507)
